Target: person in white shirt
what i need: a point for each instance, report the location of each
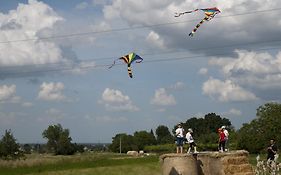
(226, 137)
(190, 140)
(180, 138)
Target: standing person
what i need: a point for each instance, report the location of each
(180, 138)
(221, 140)
(271, 150)
(190, 140)
(226, 134)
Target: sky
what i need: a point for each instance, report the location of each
(55, 56)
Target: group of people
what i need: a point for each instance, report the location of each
(182, 137)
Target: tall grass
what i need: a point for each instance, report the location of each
(46, 164)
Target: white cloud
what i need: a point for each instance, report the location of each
(26, 22)
(100, 2)
(30, 22)
(249, 62)
(232, 112)
(252, 69)
(114, 100)
(82, 5)
(226, 91)
(146, 10)
(203, 71)
(161, 98)
(101, 26)
(154, 39)
(82, 67)
(51, 91)
(177, 86)
(8, 94)
(229, 29)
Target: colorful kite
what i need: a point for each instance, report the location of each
(129, 59)
(210, 13)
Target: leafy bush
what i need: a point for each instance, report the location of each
(254, 136)
(9, 149)
(165, 148)
(59, 141)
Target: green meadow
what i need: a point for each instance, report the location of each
(83, 164)
(87, 164)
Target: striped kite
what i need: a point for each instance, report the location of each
(129, 59)
(210, 13)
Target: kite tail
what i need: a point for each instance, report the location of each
(198, 25)
(130, 71)
(112, 65)
(182, 13)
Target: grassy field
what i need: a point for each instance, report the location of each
(87, 164)
(84, 164)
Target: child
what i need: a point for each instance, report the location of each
(180, 138)
(190, 140)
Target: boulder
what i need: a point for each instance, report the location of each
(132, 153)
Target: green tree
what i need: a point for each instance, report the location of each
(209, 124)
(197, 125)
(250, 137)
(255, 135)
(59, 141)
(27, 148)
(163, 135)
(212, 122)
(205, 129)
(143, 138)
(123, 141)
(154, 138)
(9, 148)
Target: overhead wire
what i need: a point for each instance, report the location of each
(92, 67)
(152, 53)
(73, 65)
(129, 28)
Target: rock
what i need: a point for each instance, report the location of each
(141, 153)
(132, 153)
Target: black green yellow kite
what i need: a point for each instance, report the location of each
(129, 59)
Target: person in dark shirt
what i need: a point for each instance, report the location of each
(271, 150)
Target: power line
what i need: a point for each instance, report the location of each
(128, 28)
(72, 64)
(61, 69)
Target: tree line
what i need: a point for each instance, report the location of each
(205, 131)
(252, 136)
(58, 143)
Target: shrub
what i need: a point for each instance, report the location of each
(165, 148)
(9, 149)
